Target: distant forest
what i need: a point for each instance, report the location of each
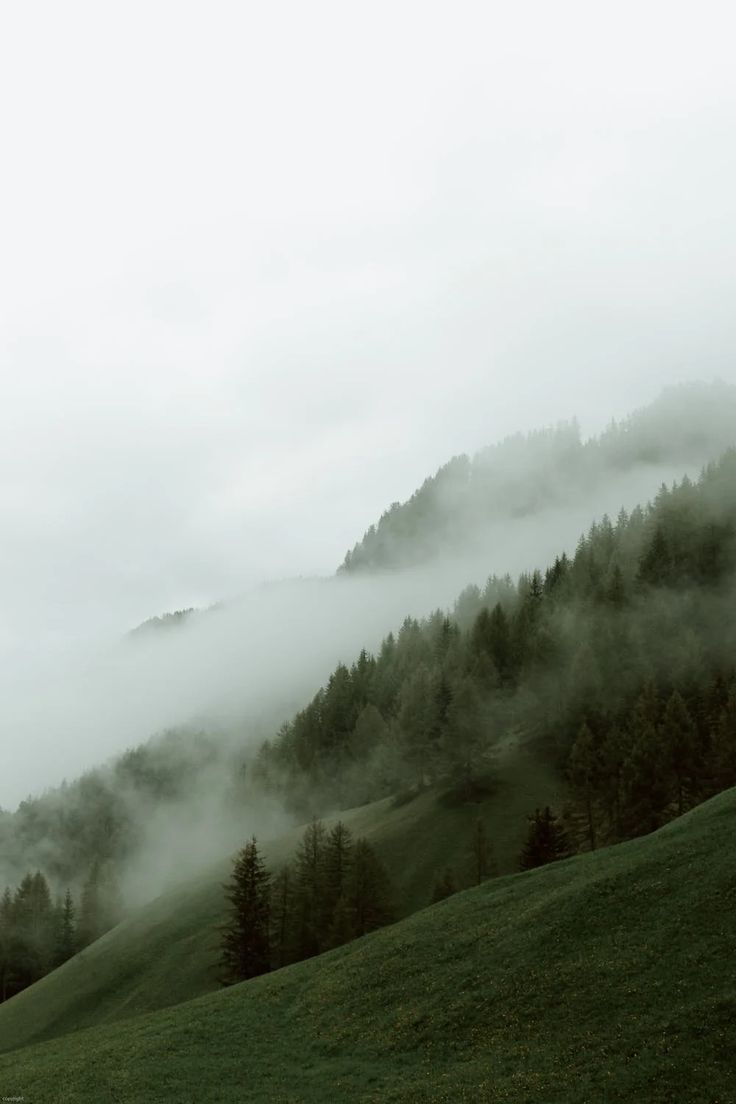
(616, 664)
(690, 424)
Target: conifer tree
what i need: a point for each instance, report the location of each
(583, 768)
(368, 890)
(724, 743)
(283, 916)
(309, 868)
(680, 739)
(546, 840)
(338, 853)
(65, 943)
(246, 949)
(481, 854)
(6, 943)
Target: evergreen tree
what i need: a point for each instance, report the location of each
(481, 854)
(546, 841)
(310, 887)
(583, 769)
(724, 743)
(680, 739)
(65, 943)
(283, 916)
(6, 943)
(245, 937)
(368, 890)
(338, 853)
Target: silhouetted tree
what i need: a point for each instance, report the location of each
(546, 840)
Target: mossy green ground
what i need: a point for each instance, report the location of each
(167, 952)
(606, 978)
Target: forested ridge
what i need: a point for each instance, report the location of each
(617, 662)
(526, 474)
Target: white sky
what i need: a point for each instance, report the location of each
(263, 267)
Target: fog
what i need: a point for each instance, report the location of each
(244, 667)
(265, 268)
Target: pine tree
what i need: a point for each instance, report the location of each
(680, 738)
(309, 869)
(338, 853)
(65, 943)
(481, 853)
(368, 890)
(546, 841)
(583, 768)
(6, 943)
(724, 744)
(246, 949)
(283, 890)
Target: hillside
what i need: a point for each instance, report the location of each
(167, 952)
(600, 978)
(460, 508)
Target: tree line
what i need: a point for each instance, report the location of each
(335, 890)
(635, 615)
(38, 933)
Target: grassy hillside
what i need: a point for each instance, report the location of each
(603, 978)
(166, 953)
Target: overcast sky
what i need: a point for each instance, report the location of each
(264, 266)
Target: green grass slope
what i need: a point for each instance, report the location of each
(606, 978)
(167, 952)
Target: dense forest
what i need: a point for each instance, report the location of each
(687, 427)
(617, 663)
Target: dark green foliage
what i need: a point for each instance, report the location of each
(605, 980)
(481, 855)
(368, 891)
(309, 869)
(444, 887)
(65, 931)
(546, 841)
(603, 662)
(28, 931)
(334, 890)
(246, 950)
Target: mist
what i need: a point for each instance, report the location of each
(244, 667)
(265, 288)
